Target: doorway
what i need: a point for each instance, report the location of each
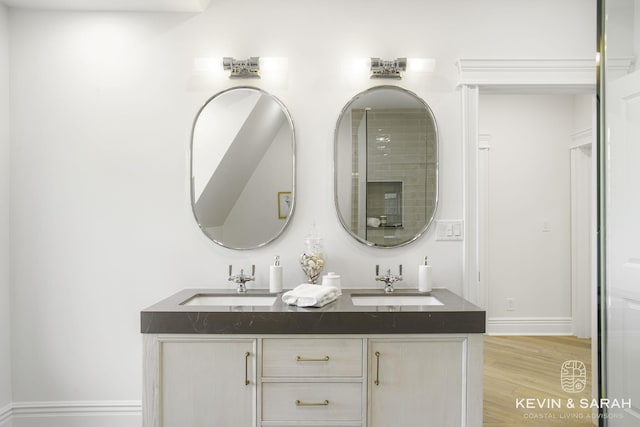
(535, 193)
(523, 76)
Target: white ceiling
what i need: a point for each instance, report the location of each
(112, 5)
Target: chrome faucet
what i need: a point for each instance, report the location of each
(388, 278)
(241, 279)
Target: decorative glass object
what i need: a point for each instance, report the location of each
(312, 260)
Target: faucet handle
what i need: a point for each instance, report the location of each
(241, 278)
(377, 269)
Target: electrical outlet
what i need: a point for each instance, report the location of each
(511, 304)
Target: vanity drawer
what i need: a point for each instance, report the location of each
(290, 358)
(311, 401)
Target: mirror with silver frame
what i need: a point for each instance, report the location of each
(386, 167)
(243, 168)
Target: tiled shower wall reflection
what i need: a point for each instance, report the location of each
(396, 154)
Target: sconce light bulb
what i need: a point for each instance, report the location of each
(206, 64)
(361, 65)
(271, 64)
(421, 65)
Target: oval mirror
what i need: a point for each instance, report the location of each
(386, 166)
(242, 168)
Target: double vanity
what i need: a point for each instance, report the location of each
(371, 358)
(216, 358)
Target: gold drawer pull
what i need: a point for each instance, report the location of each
(312, 359)
(377, 381)
(299, 403)
(246, 368)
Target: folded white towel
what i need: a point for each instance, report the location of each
(307, 295)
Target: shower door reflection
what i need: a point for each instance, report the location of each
(622, 210)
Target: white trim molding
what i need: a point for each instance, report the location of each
(529, 326)
(618, 67)
(575, 75)
(470, 129)
(582, 139)
(100, 409)
(189, 6)
(5, 413)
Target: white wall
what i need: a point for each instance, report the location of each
(102, 106)
(5, 308)
(529, 189)
(583, 112)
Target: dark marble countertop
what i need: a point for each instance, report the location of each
(169, 316)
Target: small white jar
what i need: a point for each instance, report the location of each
(332, 279)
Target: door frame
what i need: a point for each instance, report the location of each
(583, 226)
(522, 76)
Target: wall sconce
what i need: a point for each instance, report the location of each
(242, 69)
(382, 69)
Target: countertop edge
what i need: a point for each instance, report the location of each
(455, 316)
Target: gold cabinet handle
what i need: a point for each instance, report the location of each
(300, 403)
(312, 359)
(377, 381)
(246, 368)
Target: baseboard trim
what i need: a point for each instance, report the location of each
(529, 326)
(73, 408)
(5, 413)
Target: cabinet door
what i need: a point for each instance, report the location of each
(208, 383)
(417, 382)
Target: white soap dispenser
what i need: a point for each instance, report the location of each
(275, 277)
(424, 277)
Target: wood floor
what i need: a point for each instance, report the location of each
(522, 367)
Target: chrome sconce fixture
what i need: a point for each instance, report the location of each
(242, 69)
(382, 69)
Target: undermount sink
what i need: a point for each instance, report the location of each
(213, 300)
(394, 299)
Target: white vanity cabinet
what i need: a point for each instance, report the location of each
(424, 381)
(303, 380)
(306, 381)
(199, 381)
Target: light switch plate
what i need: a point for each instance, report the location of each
(450, 230)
